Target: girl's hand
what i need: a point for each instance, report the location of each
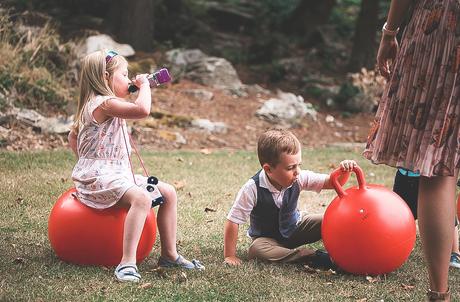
(348, 165)
(386, 55)
(141, 79)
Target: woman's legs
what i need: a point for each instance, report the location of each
(167, 221)
(139, 207)
(436, 211)
(455, 243)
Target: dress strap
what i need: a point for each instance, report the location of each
(135, 151)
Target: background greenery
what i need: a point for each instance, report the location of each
(31, 182)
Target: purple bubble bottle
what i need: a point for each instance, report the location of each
(155, 79)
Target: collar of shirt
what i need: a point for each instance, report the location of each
(264, 182)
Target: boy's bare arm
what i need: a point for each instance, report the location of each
(230, 239)
(72, 137)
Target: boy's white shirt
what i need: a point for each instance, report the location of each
(247, 196)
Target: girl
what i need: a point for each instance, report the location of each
(103, 175)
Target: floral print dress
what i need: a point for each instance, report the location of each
(416, 126)
(103, 172)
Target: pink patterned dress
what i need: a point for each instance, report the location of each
(417, 125)
(103, 173)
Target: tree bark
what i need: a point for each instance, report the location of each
(133, 22)
(364, 40)
(308, 15)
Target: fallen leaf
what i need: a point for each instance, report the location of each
(19, 260)
(181, 277)
(407, 286)
(19, 200)
(179, 184)
(372, 279)
(209, 210)
(161, 272)
(189, 194)
(180, 159)
(208, 221)
(311, 270)
(145, 285)
(205, 151)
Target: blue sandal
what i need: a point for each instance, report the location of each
(181, 262)
(127, 273)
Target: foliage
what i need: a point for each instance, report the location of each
(35, 72)
(361, 92)
(31, 271)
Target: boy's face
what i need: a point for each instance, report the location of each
(285, 173)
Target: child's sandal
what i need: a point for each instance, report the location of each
(127, 273)
(181, 262)
(438, 296)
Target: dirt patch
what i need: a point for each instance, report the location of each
(238, 113)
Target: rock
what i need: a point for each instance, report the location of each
(32, 118)
(257, 90)
(287, 109)
(98, 42)
(212, 127)
(215, 72)
(230, 17)
(179, 59)
(199, 94)
(172, 136)
(59, 125)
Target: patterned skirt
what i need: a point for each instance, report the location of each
(417, 123)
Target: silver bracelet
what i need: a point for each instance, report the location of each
(389, 32)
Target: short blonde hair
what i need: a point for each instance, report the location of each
(273, 143)
(92, 79)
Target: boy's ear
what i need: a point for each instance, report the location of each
(266, 168)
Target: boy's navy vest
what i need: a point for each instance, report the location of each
(267, 220)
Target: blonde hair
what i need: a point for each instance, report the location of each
(273, 143)
(92, 80)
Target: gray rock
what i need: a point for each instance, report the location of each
(199, 94)
(98, 42)
(286, 109)
(32, 118)
(212, 127)
(216, 73)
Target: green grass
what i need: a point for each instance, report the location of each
(30, 183)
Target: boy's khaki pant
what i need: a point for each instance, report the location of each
(268, 249)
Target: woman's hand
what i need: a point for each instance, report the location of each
(386, 55)
(348, 165)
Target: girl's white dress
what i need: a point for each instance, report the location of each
(103, 173)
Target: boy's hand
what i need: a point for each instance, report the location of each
(348, 165)
(232, 260)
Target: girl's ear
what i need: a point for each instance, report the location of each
(106, 75)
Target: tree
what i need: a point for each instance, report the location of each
(133, 23)
(308, 15)
(364, 40)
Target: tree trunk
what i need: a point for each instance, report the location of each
(364, 41)
(308, 15)
(132, 22)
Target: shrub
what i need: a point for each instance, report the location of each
(34, 73)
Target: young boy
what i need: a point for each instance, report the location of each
(269, 199)
(406, 186)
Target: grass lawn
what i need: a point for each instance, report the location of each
(30, 183)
